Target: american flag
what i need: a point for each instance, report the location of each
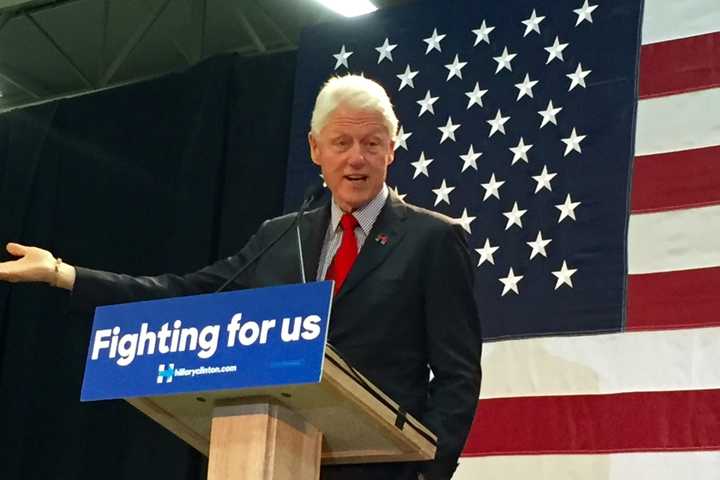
(519, 119)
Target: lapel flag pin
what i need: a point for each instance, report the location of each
(382, 239)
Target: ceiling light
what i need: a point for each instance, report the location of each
(349, 8)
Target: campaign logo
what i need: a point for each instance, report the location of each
(166, 373)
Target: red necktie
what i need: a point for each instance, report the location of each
(346, 254)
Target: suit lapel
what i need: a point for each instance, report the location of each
(386, 234)
(312, 231)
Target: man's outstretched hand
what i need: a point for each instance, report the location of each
(35, 265)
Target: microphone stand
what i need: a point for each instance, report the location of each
(310, 196)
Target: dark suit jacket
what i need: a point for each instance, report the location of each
(406, 305)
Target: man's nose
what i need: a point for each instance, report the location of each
(357, 155)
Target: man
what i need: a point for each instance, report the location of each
(404, 297)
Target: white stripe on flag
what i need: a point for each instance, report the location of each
(672, 19)
(601, 364)
(620, 466)
(678, 122)
(674, 240)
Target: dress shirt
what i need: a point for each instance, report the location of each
(366, 216)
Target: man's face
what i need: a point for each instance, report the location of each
(353, 151)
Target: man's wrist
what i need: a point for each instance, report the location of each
(64, 276)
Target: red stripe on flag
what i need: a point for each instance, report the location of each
(678, 66)
(625, 422)
(670, 181)
(680, 299)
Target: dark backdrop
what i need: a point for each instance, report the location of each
(163, 176)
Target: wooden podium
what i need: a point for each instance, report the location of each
(287, 432)
(319, 409)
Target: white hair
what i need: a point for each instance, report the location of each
(353, 91)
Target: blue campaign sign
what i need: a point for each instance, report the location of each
(248, 338)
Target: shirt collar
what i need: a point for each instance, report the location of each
(365, 215)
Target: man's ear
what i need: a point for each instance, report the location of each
(313, 148)
(392, 153)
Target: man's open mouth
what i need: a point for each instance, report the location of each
(356, 178)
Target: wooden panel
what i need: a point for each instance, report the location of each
(262, 441)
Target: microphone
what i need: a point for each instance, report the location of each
(312, 193)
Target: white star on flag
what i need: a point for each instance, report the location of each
(486, 253)
(585, 12)
(578, 77)
(543, 180)
(555, 50)
(426, 104)
(564, 275)
(442, 193)
(465, 221)
(572, 143)
(406, 78)
(514, 216)
(341, 58)
(433, 42)
(504, 60)
(538, 246)
(475, 96)
(548, 115)
(401, 140)
(448, 131)
(385, 51)
(455, 68)
(497, 124)
(520, 151)
(401, 196)
(421, 166)
(567, 209)
(510, 282)
(470, 159)
(482, 34)
(532, 24)
(492, 188)
(525, 88)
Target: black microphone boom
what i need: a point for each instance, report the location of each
(312, 193)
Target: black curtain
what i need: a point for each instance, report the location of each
(162, 176)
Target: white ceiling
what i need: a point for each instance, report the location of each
(51, 49)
